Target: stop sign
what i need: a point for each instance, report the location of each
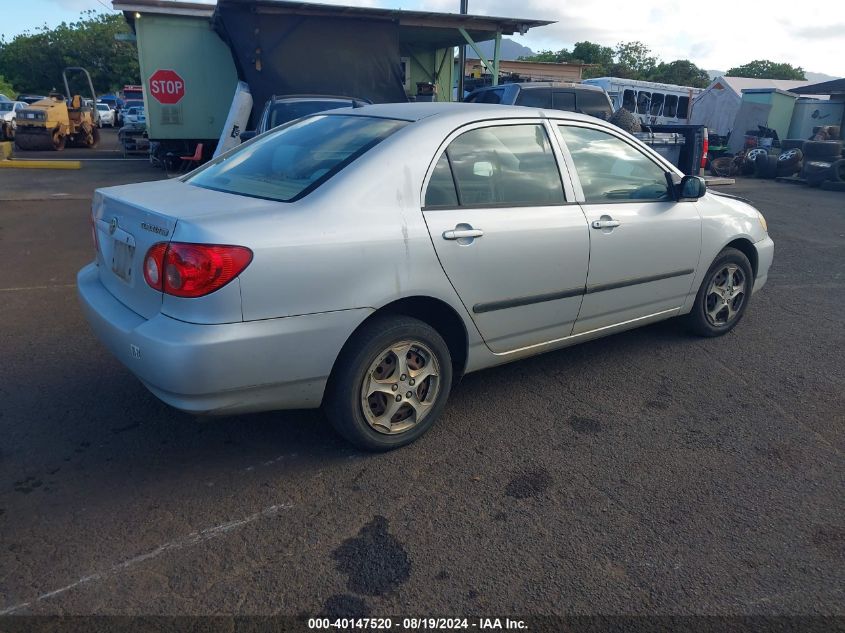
(167, 87)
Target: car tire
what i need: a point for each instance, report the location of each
(791, 143)
(837, 171)
(723, 167)
(719, 305)
(789, 162)
(765, 166)
(816, 172)
(372, 358)
(822, 150)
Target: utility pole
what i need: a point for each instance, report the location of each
(462, 57)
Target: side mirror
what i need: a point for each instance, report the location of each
(691, 188)
(483, 168)
(247, 134)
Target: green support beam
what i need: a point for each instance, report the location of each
(494, 67)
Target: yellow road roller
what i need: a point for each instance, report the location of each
(54, 122)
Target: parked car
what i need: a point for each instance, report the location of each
(364, 260)
(280, 110)
(30, 99)
(8, 115)
(134, 116)
(572, 97)
(105, 115)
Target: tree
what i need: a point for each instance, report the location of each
(33, 61)
(634, 60)
(6, 88)
(765, 69)
(591, 53)
(555, 57)
(681, 72)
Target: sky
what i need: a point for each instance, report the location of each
(713, 34)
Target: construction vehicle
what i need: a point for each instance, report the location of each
(53, 122)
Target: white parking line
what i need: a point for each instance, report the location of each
(186, 541)
(37, 287)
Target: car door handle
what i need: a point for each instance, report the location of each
(605, 224)
(457, 234)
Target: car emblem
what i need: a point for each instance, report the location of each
(112, 226)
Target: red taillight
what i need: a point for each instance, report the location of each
(154, 265)
(193, 270)
(705, 149)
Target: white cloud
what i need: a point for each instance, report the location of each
(717, 34)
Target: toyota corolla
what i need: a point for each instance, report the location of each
(363, 260)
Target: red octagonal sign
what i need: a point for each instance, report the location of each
(167, 87)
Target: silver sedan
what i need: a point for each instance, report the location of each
(364, 260)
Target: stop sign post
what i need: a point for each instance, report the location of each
(167, 87)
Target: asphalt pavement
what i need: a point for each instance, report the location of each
(646, 473)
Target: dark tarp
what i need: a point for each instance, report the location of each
(278, 53)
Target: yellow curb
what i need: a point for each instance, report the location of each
(40, 164)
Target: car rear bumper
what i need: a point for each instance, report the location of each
(765, 254)
(240, 367)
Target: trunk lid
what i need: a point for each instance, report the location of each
(125, 232)
(129, 219)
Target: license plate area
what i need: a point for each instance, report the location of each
(123, 251)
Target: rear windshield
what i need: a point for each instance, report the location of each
(284, 112)
(290, 162)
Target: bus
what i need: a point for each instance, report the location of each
(654, 103)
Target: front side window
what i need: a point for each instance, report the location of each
(295, 159)
(508, 165)
(611, 170)
(595, 104)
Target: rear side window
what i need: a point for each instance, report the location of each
(283, 112)
(508, 165)
(535, 98)
(629, 100)
(487, 96)
(441, 188)
(565, 101)
(295, 159)
(683, 106)
(611, 170)
(643, 102)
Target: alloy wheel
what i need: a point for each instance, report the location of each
(725, 295)
(400, 387)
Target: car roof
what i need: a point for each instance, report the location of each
(460, 112)
(524, 85)
(314, 97)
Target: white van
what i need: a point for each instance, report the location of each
(654, 103)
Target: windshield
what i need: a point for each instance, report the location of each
(283, 112)
(292, 161)
(102, 106)
(5, 106)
